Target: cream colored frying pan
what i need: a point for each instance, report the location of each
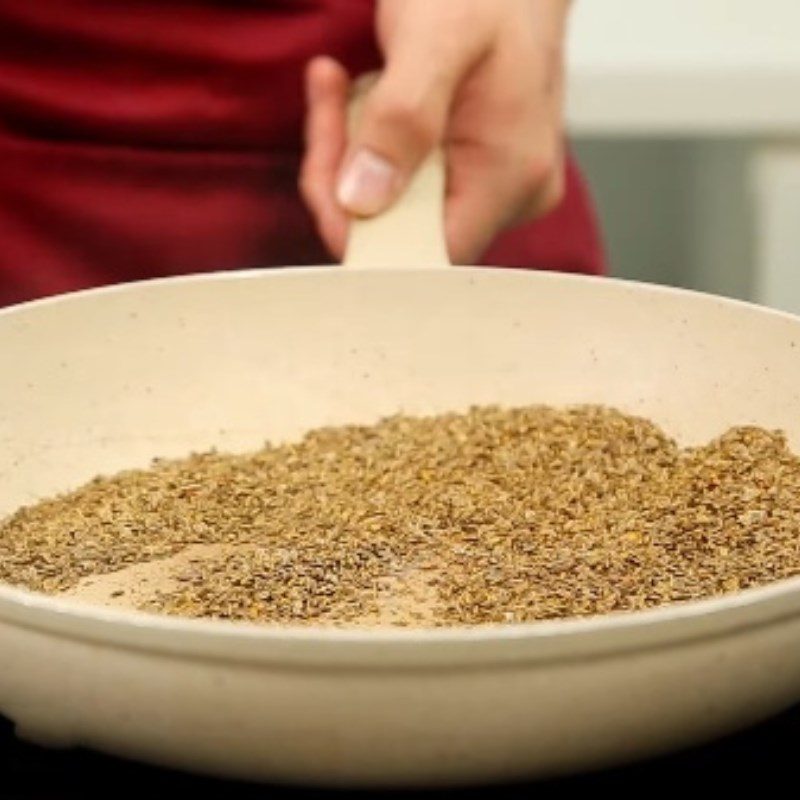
(102, 380)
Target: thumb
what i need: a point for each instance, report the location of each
(403, 118)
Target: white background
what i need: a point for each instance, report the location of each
(686, 117)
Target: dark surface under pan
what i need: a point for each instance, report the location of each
(762, 758)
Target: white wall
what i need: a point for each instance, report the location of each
(678, 212)
(686, 117)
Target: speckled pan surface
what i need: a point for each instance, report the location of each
(104, 380)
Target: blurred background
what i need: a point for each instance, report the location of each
(685, 115)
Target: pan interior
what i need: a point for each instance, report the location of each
(107, 380)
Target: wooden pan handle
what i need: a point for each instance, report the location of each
(411, 232)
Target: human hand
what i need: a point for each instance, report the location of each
(481, 78)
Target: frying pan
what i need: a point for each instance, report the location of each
(107, 379)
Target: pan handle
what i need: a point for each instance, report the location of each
(411, 232)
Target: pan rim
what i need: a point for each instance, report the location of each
(542, 641)
(467, 270)
(453, 646)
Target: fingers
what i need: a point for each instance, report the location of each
(441, 81)
(327, 87)
(541, 184)
(403, 118)
(474, 215)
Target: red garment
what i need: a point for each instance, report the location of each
(142, 138)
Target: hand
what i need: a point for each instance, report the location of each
(482, 78)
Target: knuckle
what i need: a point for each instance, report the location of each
(552, 194)
(408, 116)
(557, 190)
(550, 201)
(303, 187)
(536, 173)
(540, 184)
(306, 185)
